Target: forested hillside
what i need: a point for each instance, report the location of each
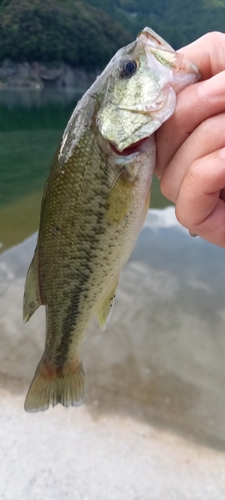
(87, 33)
(179, 21)
(52, 30)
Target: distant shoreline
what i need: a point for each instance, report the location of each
(36, 75)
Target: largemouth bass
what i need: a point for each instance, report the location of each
(94, 205)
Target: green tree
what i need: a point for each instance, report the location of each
(50, 30)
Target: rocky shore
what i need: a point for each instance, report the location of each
(38, 76)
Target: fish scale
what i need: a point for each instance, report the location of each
(94, 204)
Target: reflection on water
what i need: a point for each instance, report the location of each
(159, 367)
(13, 99)
(31, 124)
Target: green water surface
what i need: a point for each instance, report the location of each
(31, 124)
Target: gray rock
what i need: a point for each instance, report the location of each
(35, 75)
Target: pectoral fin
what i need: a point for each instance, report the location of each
(105, 307)
(31, 299)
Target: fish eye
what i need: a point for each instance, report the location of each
(128, 68)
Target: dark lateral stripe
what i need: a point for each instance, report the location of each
(81, 289)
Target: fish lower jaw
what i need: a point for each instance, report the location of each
(134, 149)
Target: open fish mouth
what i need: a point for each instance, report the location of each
(131, 149)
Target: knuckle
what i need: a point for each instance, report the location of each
(206, 129)
(166, 188)
(216, 41)
(209, 132)
(186, 220)
(181, 215)
(194, 175)
(215, 35)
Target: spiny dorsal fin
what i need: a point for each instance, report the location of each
(31, 298)
(105, 307)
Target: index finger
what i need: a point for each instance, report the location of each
(208, 53)
(195, 104)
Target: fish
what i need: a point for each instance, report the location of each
(94, 204)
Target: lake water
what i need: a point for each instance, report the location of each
(31, 123)
(153, 422)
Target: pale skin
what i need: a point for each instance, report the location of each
(191, 144)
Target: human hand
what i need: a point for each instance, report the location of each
(191, 144)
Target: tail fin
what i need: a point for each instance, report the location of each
(52, 385)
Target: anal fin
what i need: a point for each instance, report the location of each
(31, 299)
(105, 307)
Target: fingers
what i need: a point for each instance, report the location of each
(209, 136)
(199, 205)
(208, 52)
(191, 145)
(194, 105)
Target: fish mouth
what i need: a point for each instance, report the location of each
(134, 148)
